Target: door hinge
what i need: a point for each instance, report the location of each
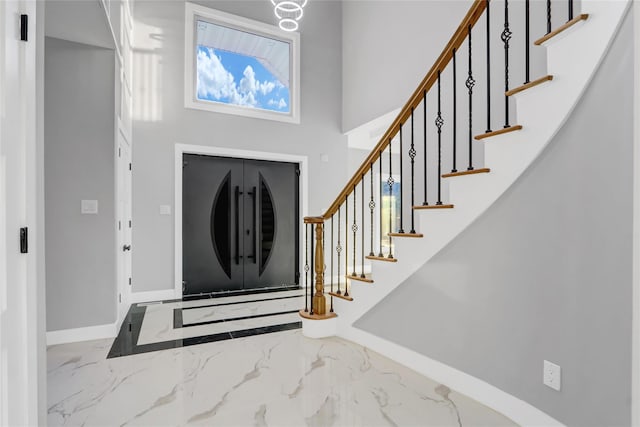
(24, 240)
(24, 27)
(119, 225)
(129, 223)
(129, 281)
(298, 172)
(119, 152)
(119, 297)
(129, 166)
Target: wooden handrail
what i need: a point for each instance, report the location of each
(474, 13)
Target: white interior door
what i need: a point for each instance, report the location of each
(124, 247)
(19, 345)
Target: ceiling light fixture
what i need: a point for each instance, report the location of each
(289, 12)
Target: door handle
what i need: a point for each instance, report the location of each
(126, 248)
(254, 196)
(237, 227)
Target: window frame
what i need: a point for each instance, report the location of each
(193, 12)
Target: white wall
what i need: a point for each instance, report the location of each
(545, 273)
(79, 164)
(388, 47)
(161, 121)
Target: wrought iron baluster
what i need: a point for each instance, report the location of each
(505, 37)
(306, 268)
(372, 206)
(455, 106)
(526, 42)
(312, 269)
(390, 182)
(331, 310)
(346, 244)
(412, 156)
(470, 83)
(424, 135)
(401, 229)
(380, 254)
(488, 69)
(339, 250)
(354, 228)
(362, 225)
(439, 123)
(570, 4)
(548, 16)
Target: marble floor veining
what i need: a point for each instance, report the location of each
(278, 379)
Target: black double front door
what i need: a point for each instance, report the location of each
(240, 224)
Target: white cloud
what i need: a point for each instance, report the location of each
(249, 84)
(280, 104)
(266, 87)
(214, 81)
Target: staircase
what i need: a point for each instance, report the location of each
(379, 231)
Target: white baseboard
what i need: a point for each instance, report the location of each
(65, 336)
(510, 406)
(150, 296)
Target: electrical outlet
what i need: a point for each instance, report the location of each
(552, 375)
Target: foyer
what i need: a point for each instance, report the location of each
(403, 213)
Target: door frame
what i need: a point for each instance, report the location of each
(22, 315)
(180, 149)
(123, 290)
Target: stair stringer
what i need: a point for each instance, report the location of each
(573, 57)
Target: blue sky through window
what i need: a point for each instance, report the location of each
(237, 79)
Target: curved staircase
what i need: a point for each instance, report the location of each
(574, 51)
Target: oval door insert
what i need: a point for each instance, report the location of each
(267, 224)
(221, 224)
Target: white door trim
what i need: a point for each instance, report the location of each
(181, 149)
(22, 342)
(635, 327)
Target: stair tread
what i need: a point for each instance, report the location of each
(420, 207)
(413, 235)
(341, 296)
(462, 173)
(529, 85)
(366, 279)
(569, 24)
(381, 258)
(308, 315)
(498, 132)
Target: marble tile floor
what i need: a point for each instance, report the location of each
(171, 324)
(279, 379)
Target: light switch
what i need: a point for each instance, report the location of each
(165, 209)
(89, 207)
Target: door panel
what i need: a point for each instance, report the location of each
(274, 211)
(211, 226)
(240, 224)
(124, 225)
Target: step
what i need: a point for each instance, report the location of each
(569, 24)
(413, 235)
(365, 279)
(308, 315)
(341, 296)
(529, 85)
(381, 258)
(462, 173)
(425, 207)
(498, 132)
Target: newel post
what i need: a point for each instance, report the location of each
(319, 301)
